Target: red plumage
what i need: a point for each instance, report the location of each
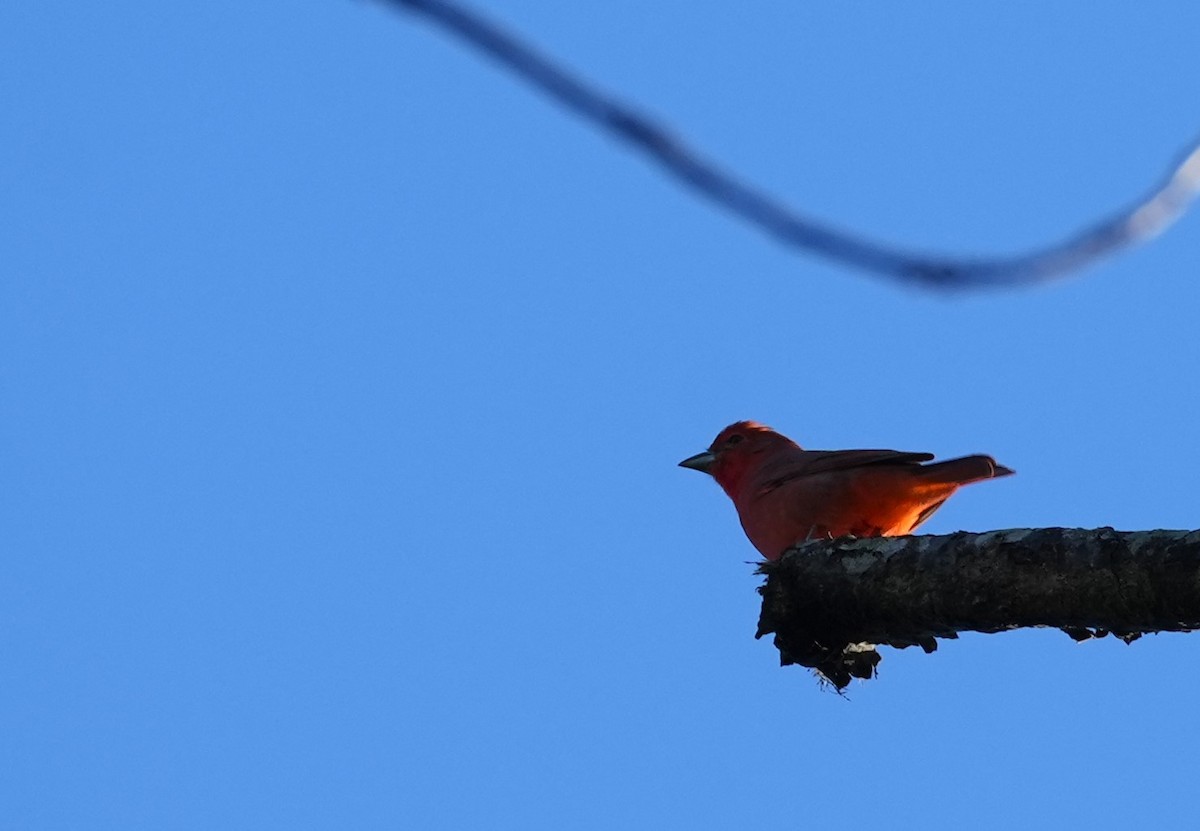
(785, 494)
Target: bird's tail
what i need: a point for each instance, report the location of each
(964, 471)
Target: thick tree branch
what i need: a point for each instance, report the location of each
(1141, 220)
(829, 602)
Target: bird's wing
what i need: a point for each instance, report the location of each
(808, 462)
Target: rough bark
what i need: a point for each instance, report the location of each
(830, 602)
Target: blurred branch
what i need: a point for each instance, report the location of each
(829, 602)
(1142, 220)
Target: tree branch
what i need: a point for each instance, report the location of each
(1140, 221)
(829, 602)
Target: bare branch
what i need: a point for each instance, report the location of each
(829, 602)
(1140, 221)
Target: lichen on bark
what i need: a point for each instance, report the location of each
(829, 602)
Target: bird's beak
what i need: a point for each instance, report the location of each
(702, 462)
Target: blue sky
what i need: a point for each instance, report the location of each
(344, 380)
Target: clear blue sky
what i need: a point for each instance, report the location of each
(344, 381)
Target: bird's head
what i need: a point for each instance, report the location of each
(736, 451)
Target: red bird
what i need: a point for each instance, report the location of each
(785, 494)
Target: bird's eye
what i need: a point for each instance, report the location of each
(734, 439)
